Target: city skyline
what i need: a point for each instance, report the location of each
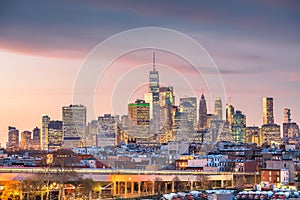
(42, 51)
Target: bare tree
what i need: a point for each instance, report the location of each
(204, 181)
(33, 186)
(87, 186)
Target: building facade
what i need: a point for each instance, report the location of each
(44, 132)
(268, 116)
(26, 142)
(202, 124)
(218, 108)
(55, 135)
(74, 122)
(13, 139)
(239, 127)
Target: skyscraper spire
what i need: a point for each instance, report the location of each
(153, 60)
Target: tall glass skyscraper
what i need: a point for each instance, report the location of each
(202, 113)
(44, 132)
(154, 90)
(239, 127)
(268, 117)
(218, 109)
(74, 122)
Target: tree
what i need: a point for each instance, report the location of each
(33, 186)
(177, 183)
(205, 182)
(11, 191)
(61, 169)
(87, 186)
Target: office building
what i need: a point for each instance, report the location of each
(202, 114)
(107, 130)
(287, 115)
(229, 114)
(166, 101)
(74, 122)
(239, 127)
(139, 113)
(268, 116)
(270, 134)
(36, 138)
(26, 140)
(290, 129)
(90, 136)
(188, 106)
(218, 108)
(154, 90)
(13, 139)
(44, 132)
(55, 135)
(252, 135)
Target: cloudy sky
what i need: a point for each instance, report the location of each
(255, 45)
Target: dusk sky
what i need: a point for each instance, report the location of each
(43, 44)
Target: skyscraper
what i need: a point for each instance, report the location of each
(44, 132)
(218, 108)
(287, 115)
(290, 129)
(268, 117)
(270, 134)
(107, 130)
(166, 101)
(36, 138)
(54, 135)
(154, 90)
(202, 113)
(139, 113)
(239, 127)
(229, 114)
(74, 122)
(13, 139)
(252, 135)
(26, 140)
(139, 120)
(188, 106)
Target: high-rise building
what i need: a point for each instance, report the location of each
(91, 133)
(202, 113)
(239, 127)
(154, 90)
(55, 135)
(166, 96)
(107, 130)
(270, 134)
(252, 135)
(139, 113)
(44, 132)
(166, 101)
(139, 119)
(13, 139)
(26, 140)
(290, 129)
(74, 122)
(287, 115)
(180, 127)
(188, 106)
(229, 114)
(268, 117)
(218, 108)
(36, 138)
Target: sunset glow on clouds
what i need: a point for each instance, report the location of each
(42, 46)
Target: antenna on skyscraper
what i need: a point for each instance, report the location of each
(153, 60)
